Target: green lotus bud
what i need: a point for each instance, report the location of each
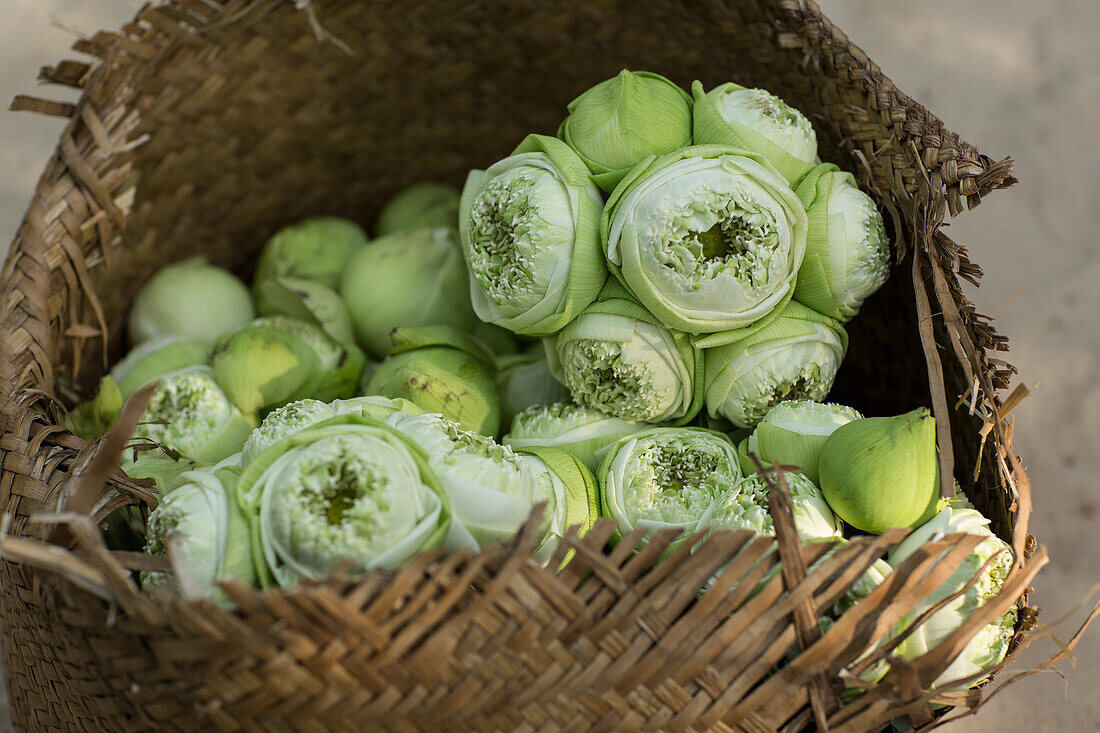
(616, 357)
(882, 472)
(666, 478)
(278, 359)
(190, 414)
(441, 371)
(582, 432)
(756, 120)
(96, 416)
(490, 488)
(619, 122)
(524, 380)
(309, 301)
(316, 249)
(708, 238)
(847, 253)
(530, 235)
(156, 356)
(746, 507)
(191, 298)
(793, 432)
(418, 206)
(347, 491)
(408, 278)
(575, 492)
(988, 647)
(795, 356)
(213, 542)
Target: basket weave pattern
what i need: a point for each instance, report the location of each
(205, 125)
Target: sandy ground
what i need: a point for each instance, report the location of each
(1018, 78)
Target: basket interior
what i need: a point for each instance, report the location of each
(290, 126)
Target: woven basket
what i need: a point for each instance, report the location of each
(206, 125)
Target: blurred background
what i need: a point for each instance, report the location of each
(1016, 77)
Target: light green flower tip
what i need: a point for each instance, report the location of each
(989, 646)
(621, 121)
(190, 414)
(882, 472)
(708, 238)
(793, 432)
(795, 356)
(847, 253)
(418, 206)
(529, 226)
(757, 120)
(309, 301)
(191, 298)
(583, 432)
(406, 278)
(746, 506)
(666, 478)
(316, 249)
(575, 492)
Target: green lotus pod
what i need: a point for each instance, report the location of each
(621, 121)
(616, 357)
(349, 492)
(882, 472)
(576, 496)
(191, 298)
(491, 489)
(988, 647)
(582, 432)
(191, 415)
(524, 380)
(757, 120)
(665, 478)
(530, 235)
(746, 507)
(793, 432)
(316, 249)
(211, 532)
(794, 356)
(407, 278)
(278, 359)
(442, 371)
(96, 416)
(847, 253)
(708, 238)
(418, 206)
(309, 301)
